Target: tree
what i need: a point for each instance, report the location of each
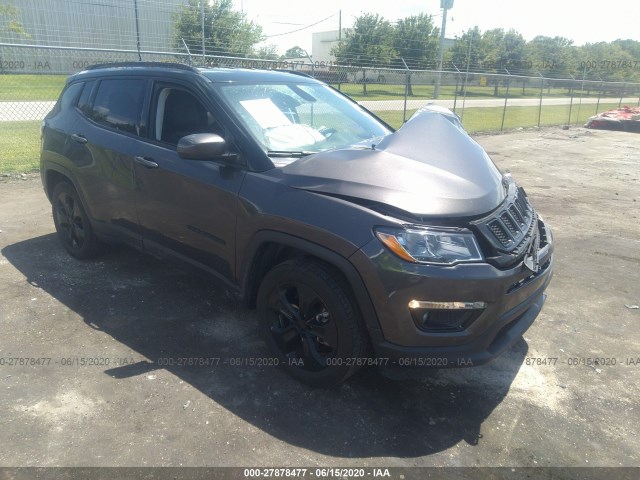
(368, 43)
(467, 49)
(226, 31)
(415, 40)
(552, 56)
(9, 22)
(295, 52)
(267, 52)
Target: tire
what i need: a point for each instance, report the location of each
(72, 224)
(309, 320)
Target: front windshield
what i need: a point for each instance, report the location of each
(289, 118)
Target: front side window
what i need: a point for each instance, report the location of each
(118, 104)
(293, 118)
(179, 113)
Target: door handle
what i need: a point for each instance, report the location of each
(146, 162)
(78, 138)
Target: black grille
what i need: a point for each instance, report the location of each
(509, 229)
(498, 230)
(509, 223)
(516, 215)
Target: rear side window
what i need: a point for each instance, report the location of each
(67, 98)
(118, 104)
(83, 101)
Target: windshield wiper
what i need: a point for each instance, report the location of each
(287, 154)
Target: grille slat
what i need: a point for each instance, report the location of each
(500, 233)
(510, 224)
(509, 229)
(516, 215)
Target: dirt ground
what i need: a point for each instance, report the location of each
(565, 395)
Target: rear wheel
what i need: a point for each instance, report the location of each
(310, 322)
(72, 224)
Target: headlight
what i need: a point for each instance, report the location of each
(426, 245)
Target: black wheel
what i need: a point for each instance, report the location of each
(72, 224)
(310, 322)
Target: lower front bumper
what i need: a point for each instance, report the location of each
(504, 333)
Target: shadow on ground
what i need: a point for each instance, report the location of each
(165, 311)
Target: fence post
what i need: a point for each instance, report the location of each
(506, 97)
(571, 100)
(624, 86)
(599, 94)
(541, 93)
(406, 90)
(455, 93)
(204, 60)
(584, 72)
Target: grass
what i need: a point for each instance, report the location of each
(19, 141)
(19, 146)
(447, 92)
(48, 87)
(478, 119)
(16, 88)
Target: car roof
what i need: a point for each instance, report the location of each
(215, 75)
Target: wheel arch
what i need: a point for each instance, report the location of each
(269, 248)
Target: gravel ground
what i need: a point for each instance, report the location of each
(108, 327)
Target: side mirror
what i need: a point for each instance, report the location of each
(204, 146)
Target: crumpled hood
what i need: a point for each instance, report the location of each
(429, 167)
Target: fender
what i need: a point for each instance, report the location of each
(361, 295)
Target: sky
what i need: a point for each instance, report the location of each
(578, 20)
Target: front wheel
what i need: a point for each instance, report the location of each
(309, 320)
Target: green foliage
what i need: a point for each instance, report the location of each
(495, 50)
(295, 52)
(226, 31)
(9, 21)
(467, 48)
(267, 52)
(416, 40)
(552, 56)
(370, 42)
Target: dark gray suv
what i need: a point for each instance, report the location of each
(358, 245)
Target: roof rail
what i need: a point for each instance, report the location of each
(297, 72)
(180, 66)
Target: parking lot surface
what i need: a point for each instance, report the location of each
(127, 361)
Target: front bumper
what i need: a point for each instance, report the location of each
(514, 298)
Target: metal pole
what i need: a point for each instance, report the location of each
(506, 97)
(455, 93)
(466, 77)
(584, 72)
(188, 51)
(436, 91)
(202, 30)
(571, 100)
(599, 94)
(135, 7)
(406, 90)
(541, 93)
(624, 86)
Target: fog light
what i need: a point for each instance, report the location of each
(445, 316)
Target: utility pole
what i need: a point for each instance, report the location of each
(204, 60)
(445, 5)
(340, 26)
(135, 6)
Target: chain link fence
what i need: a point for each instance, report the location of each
(31, 78)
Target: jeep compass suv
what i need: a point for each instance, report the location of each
(357, 244)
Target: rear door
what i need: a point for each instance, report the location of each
(104, 143)
(185, 207)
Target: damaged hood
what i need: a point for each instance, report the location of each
(429, 167)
